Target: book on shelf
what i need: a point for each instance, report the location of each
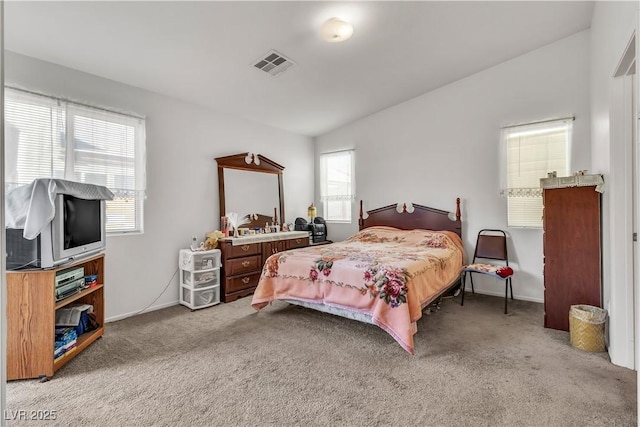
(65, 341)
(90, 281)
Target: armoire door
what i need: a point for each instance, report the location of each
(571, 245)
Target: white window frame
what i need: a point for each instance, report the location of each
(71, 109)
(349, 197)
(520, 174)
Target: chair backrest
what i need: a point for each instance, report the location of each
(491, 244)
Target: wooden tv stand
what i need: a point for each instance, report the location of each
(31, 306)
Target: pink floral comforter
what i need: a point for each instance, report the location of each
(386, 273)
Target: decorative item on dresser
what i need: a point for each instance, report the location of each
(571, 244)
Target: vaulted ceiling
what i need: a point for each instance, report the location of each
(203, 52)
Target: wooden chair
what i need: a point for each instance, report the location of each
(490, 245)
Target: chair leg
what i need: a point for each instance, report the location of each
(511, 287)
(473, 290)
(464, 275)
(506, 294)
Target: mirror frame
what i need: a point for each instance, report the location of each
(238, 162)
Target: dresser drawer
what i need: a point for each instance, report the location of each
(242, 250)
(243, 265)
(299, 242)
(238, 283)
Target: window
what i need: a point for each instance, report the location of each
(50, 138)
(530, 152)
(337, 189)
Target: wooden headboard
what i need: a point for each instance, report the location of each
(421, 217)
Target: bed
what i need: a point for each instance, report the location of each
(399, 262)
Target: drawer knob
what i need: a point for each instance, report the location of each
(245, 280)
(245, 248)
(298, 240)
(246, 263)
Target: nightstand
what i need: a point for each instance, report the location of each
(199, 278)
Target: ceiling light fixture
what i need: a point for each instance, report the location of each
(336, 30)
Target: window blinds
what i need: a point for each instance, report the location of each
(34, 138)
(49, 138)
(530, 152)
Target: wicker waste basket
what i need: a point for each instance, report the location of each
(586, 327)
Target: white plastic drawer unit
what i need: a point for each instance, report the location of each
(199, 260)
(200, 279)
(199, 298)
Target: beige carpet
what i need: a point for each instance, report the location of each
(227, 365)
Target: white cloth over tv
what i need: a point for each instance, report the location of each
(31, 207)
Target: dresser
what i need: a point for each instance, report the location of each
(243, 258)
(571, 244)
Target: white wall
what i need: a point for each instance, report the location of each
(182, 188)
(612, 27)
(445, 144)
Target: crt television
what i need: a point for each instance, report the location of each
(76, 231)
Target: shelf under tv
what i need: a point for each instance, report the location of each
(31, 307)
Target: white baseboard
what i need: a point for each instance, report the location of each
(135, 313)
(501, 294)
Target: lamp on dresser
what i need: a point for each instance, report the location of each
(312, 212)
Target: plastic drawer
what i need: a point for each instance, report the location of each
(200, 279)
(199, 260)
(199, 298)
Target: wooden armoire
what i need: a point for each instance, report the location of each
(571, 244)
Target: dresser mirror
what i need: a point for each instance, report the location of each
(251, 184)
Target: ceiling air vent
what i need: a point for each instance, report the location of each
(274, 63)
